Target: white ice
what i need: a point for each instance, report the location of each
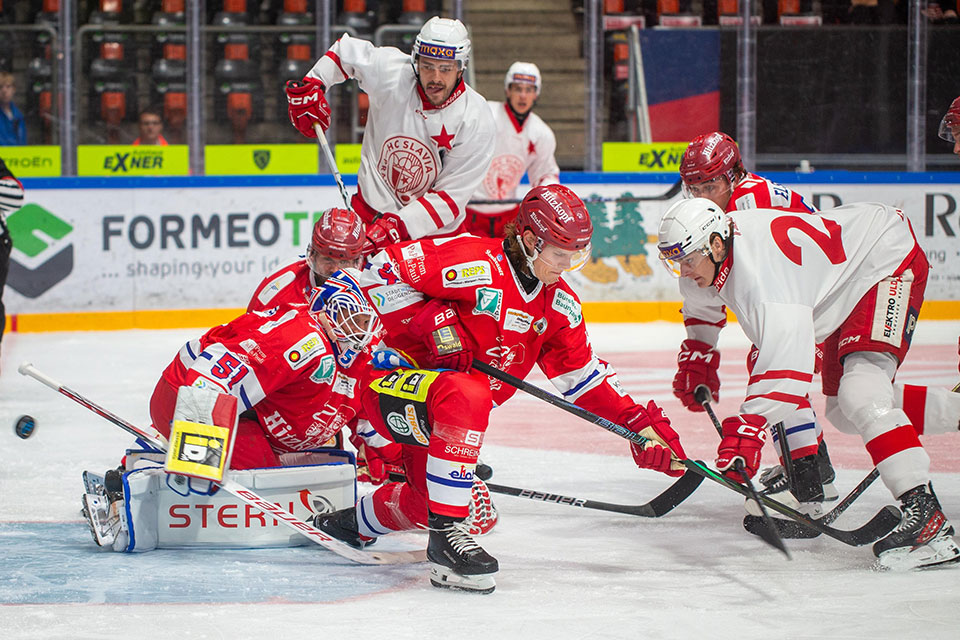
(565, 572)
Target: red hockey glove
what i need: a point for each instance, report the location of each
(307, 105)
(374, 464)
(663, 452)
(743, 438)
(438, 325)
(384, 231)
(697, 364)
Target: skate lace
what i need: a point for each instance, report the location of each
(911, 516)
(458, 535)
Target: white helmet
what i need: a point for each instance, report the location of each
(686, 228)
(523, 73)
(443, 39)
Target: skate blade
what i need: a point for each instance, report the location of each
(98, 519)
(443, 578)
(936, 553)
(830, 492)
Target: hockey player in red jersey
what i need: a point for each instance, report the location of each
(711, 168)
(429, 137)
(524, 144)
(852, 278)
(444, 302)
(950, 126)
(335, 244)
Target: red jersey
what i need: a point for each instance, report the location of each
(507, 327)
(281, 364)
(754, 192)
(293, 284)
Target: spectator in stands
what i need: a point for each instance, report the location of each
(950, 126)
(940, 14)
(151, 128)
(11, 197)
(13, 129)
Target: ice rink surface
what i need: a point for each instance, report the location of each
(565, 572)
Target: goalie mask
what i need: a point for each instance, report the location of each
(341, 309)
(686, 231)
(442, 39)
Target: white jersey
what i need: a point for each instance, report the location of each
(418, 161)
(792, 280)
(520, 148)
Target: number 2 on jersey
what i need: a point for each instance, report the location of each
(829, 241)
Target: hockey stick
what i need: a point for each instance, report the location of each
(880, 525)
(769, 533)
(660, 505)
(332, 164)
(244, 494)
(666, 195)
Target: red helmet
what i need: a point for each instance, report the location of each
(338, 234)
(708, 156)
(557, 216)
(950, 121)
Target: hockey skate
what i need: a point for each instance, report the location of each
(103, 509)
(775, 477)
(923, 538)
(342, 525)
(803, 494)
(456, 560)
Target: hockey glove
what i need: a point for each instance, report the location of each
(375, 464)
(743, 438)
(697, 364)
(663, 452)
(438, 326)
(307, 105)
(385, 230)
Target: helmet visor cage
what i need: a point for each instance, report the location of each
(354, 322)
(676, 260)
(950, 128)
(714, 189)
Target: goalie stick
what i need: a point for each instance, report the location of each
(666, 195)
(880, 525)
(246, 495)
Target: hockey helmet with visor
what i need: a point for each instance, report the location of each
(686, 231)
(561, 223)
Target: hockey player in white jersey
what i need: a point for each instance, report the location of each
(853, 278)
(524, 144)
(950, 126)
(429, 136)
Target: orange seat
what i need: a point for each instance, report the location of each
(111, 51)
(298, 52)
(175, 108)
(175, 51)
(295, 6)
(668, 6)
(113, 106)
(788, 7)
(727, 7)
(363, 106)
(236, 52)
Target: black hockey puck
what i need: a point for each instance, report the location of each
(24, 426)
(484, 471)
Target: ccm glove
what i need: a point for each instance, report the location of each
(386, 230)
(307, 105)
(663, 451)
(743, 438)
(438, 326)
(697, 364)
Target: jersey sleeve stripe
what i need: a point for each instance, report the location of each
(781, 374)
(691, 322)
(800, 401)
(450, 202)
(437, 220)
(336, 60)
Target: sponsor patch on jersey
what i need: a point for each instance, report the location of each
(389, 299)
(495, 260)
(326, 369)
(305, 350)
(540, 326)
(568, 306)
(412, 251)
(250, 346)
(467, 274)
(274, 287)
(414, 262)
(890, 314)
(407, 424)
(516, 320)
(344, 385)
(488, 302)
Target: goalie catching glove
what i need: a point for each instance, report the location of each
(697, 364)
(439, 327)
(663, 451)
(743, 438)
(307, 106)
